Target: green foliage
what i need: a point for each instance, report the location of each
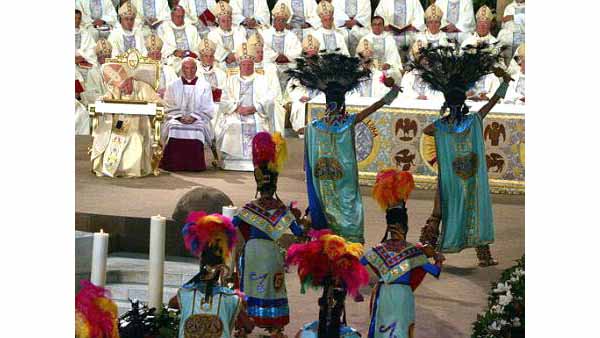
(505, 316)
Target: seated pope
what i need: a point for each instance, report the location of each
(249, 113)
(189, 106)
(122, 144)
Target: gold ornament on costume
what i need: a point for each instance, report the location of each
(433, 13)
(154, 43)
(223, 9)
(203, 326)
(310, 43)
(207, 47)
(103, 48)
(127, 10)
(324, 8)
(281, 10)
(484, 14)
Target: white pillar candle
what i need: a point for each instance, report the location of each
(229, 211)
(100, 252)
(156, 261)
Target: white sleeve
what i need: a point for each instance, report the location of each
(363, 14)
(466, 23)
(418, 17)
(236, 9)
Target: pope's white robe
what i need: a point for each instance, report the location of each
(330, 40)
(125, 152)
(121, 40)
(486, 85)
(246, 9)
(94, 86)
(516, 90)
(295, 91)
(435, 40)
(461, 14)
(96, 9)
(189, 100)
(384, 50)
(175, 38)
(302, 11)
(226, 43)
(401, 13)
(82, 119)
(413, 87)
(157, 9)
(195, 8)
(360, 10)
(237, 131)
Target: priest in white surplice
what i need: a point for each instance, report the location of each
(330, 38)
(297, 93)
(227, 38)
(433, 34)
(122, 144)
(180, 39)
(459, 19)
(253, 15)
(126, 35)
(482, 32)
(304, 18)
(412, 85)
(98, 16)
(385, 54)
(513, 28)
(151, 14)
(249, 114)
(403, 19)
(353, 17)
(201, 14)
(154, 46)
(189, 106)
(516, 89)
(374, 86)
(94, 85)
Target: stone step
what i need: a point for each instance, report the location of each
(122, 292)
(133, 269)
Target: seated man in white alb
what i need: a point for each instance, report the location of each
(412, 85)
(482, 32)
(353, 17)
(126, 36)
(433, 22)
(200, 14)
(304, 18)
(283, 46)
(330, 38)
(122, 144)
(151, 14)
(248, 115)
(253, 15)
(215, 76)
(516, 89)
(85, 58)
(403, 19)
(180, 39)
(513, 28)
(154, 46)
(227, 38)
(82, 117)
(98, 16)
(94, 84)
(385, 53)
(374, 86)
(188, 128)
(299, 94)
(458, 21)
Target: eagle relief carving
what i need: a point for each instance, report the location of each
(493, 131)
(408, 127)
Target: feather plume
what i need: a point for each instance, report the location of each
(205, 231)
(449, 68)
(95, 313)
(392, 186)
(280, 151)
(263, 148)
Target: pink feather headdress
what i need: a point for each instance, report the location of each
(96, 314)
(202, 231)
(269, 149)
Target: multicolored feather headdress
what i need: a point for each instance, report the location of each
(270, 150)
(203, 231)
(328, 255)
(453, 70)
(96, 314)
(392, 186)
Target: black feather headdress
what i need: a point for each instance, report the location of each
(333, 74)
(454, 70)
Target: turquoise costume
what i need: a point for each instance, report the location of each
(401, 267)
(262, 262)
(332, 178)
(467, 220)
(213, 319)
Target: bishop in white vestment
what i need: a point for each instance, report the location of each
(150, 15)
(217, 79)
(482, 32)
(304, 18)
(94, 84)
(180, 39)
(459, 19)
(227, 38)
(201, 14)
(98, 16)
(253, 15)
(353, 17)
(167, 75)
(249, 114)
(403, 19)
(84, 44)
(126, 35)
(331, 39)
(385, 53)
(374, 85)
(433, 34)
(513, 28)
(516, 89)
